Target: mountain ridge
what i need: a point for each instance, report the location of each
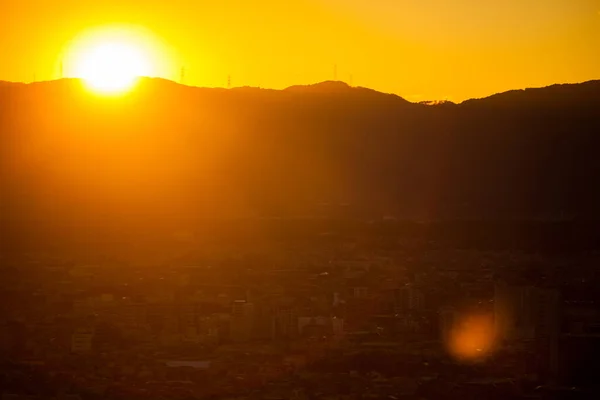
(167, 155)
(329, 86)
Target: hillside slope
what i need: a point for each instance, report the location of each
(168, 154)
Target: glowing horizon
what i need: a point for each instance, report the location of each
(420, 51)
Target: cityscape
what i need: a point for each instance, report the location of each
(372, 312)
(300, 200)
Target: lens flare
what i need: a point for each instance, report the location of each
(471, 338)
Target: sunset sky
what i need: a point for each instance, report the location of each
(421, 50)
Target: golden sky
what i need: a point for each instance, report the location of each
(419, 49)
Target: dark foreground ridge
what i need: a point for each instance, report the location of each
(168, 152)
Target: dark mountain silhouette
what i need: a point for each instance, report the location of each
(171, 154)
(322, 87)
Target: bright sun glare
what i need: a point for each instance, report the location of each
(110, 60)
(112, 66)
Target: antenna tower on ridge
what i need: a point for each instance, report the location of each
(182, 77)
(228, 81)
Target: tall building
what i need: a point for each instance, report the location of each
(189, 323)
(242, 321)
(133, 315)
(211, 329)
(525, 312)
(337, 325)
(81, 340)
(285, 323)
(578, 358)
(447, 323)
(408, 298)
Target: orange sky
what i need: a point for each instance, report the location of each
(421, 50)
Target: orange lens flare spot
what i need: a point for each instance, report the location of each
(472, 337)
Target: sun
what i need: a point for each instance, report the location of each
(113, 66)
(111, 59)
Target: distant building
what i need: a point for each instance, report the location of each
(133, 315)
(82, 340)
(447, 323)
(360, 292)
(242, 321)
(211, 329)
(285, 323)
(578, 358)
(408, 298)
(320, 326)
(337, 326)
(531, 315)
(525, 312)
(189, 323)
